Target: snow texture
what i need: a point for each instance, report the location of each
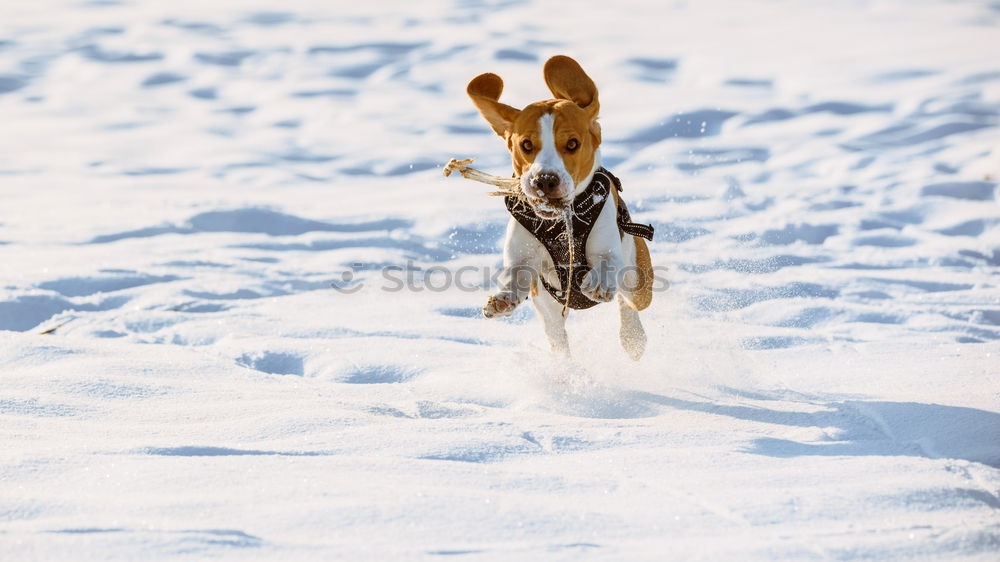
(182, 183)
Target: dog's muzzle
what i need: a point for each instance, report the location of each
(547, 185)
(548, 194)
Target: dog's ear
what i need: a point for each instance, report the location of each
(485, 92)
(567, 81)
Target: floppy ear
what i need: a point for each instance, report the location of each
(567, 81)
(485, 90)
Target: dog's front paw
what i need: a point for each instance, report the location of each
(500, 304)
(598, 287)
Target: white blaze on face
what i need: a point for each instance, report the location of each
(548, 161)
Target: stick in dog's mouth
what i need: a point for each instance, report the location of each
(548, 209)
(510, 186)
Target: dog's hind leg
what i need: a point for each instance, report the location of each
(631, 332)
(552, 320)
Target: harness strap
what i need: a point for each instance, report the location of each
(625, 223)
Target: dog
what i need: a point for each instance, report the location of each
(569, 230)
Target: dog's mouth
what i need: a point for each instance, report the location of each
(548, 209)
(548, 194)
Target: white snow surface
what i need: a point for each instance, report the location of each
(181, 182)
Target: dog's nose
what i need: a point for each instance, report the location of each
(546, 182)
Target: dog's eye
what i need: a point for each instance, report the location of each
(526, 146)
(572, 145)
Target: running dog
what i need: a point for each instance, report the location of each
(562, 234)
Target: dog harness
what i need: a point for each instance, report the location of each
(552, 233)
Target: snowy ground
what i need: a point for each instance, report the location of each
(182, 181)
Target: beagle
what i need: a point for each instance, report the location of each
(569, 230)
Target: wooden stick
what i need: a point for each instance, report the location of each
(511, 186)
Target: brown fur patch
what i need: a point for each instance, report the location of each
(643, 295)
(574, 112)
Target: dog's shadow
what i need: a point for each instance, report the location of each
(854, 427)
(863, 428)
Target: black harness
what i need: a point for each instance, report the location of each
(552, 233)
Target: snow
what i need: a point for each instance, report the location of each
(184, 182)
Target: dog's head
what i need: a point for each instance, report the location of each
(554, 143)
